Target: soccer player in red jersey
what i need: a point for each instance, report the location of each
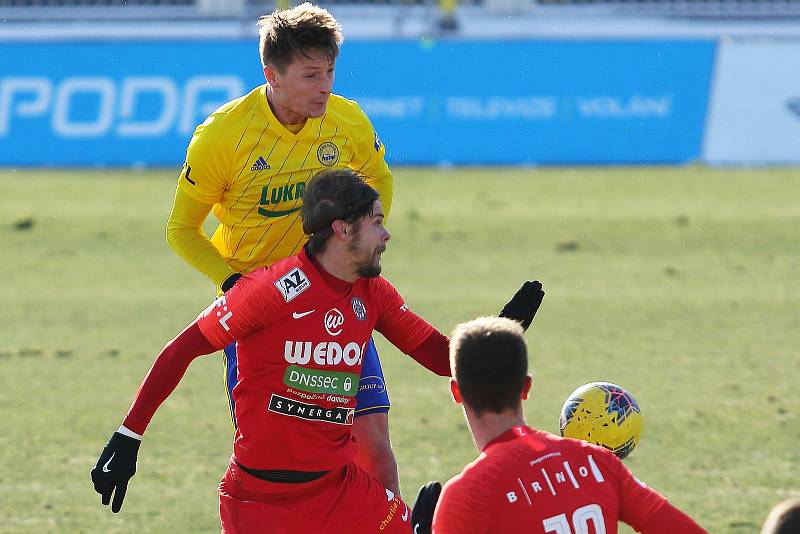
(527, 480)
(302, 327)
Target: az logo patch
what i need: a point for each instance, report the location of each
(292, 283)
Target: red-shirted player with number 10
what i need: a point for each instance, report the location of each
(526, 480)
(302, 326)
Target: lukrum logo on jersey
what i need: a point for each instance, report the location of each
(325, 353)
(292, 283)
(271, 196)
(334, 321)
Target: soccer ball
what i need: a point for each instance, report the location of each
(604, 414)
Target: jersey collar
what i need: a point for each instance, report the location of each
(311, 125)
(509, 435)
(337, 284)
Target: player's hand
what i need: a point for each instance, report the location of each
(523, 305)
(115, 467)
(422, 514)
(230, 282)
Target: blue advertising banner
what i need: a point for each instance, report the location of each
(460, 102)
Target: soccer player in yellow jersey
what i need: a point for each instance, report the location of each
(249, 163)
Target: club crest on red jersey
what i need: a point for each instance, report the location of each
(292, 283)
(334, 321)
(359, 308)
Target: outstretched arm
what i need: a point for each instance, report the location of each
(117, 462)
(165, 374)
(416, 337)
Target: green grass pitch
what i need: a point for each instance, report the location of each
(682, 284)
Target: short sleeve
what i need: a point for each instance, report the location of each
(249, 306)
(205, 172)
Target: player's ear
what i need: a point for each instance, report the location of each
(269, 74)
(455, 392)
(341, 229)
(526, 387)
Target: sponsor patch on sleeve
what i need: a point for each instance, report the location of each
(292, 283)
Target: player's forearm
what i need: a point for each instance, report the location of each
(165, 374)
(670, 519)
(186, 237)
(375, 453)
(198, 251)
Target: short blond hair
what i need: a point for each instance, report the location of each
(284, 34)
(489, 361)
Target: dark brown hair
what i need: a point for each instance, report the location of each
(285, 34)
(334, 194)
(489, 360)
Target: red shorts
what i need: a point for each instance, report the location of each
(346, 501)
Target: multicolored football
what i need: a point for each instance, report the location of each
(604, 414)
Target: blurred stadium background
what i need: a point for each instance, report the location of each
(668, 249)
(481, 82)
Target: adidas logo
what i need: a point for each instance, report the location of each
(260, 164)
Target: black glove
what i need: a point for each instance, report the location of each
(230, 282)
(115, 467)
(422, 514)
(524, 304)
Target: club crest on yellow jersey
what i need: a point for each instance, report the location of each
(328, 154)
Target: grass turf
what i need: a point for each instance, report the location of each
(682, 284)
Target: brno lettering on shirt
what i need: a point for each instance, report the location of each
(551, 475)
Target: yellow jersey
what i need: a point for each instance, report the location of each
(253, 170)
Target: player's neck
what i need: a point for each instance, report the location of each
(336, 265)
(291, 120)
(488, 426)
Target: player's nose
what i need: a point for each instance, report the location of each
(326, 85)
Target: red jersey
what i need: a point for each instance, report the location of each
(526, 480)
(301, 335)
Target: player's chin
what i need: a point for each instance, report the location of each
(370, 270)
(317, 111)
